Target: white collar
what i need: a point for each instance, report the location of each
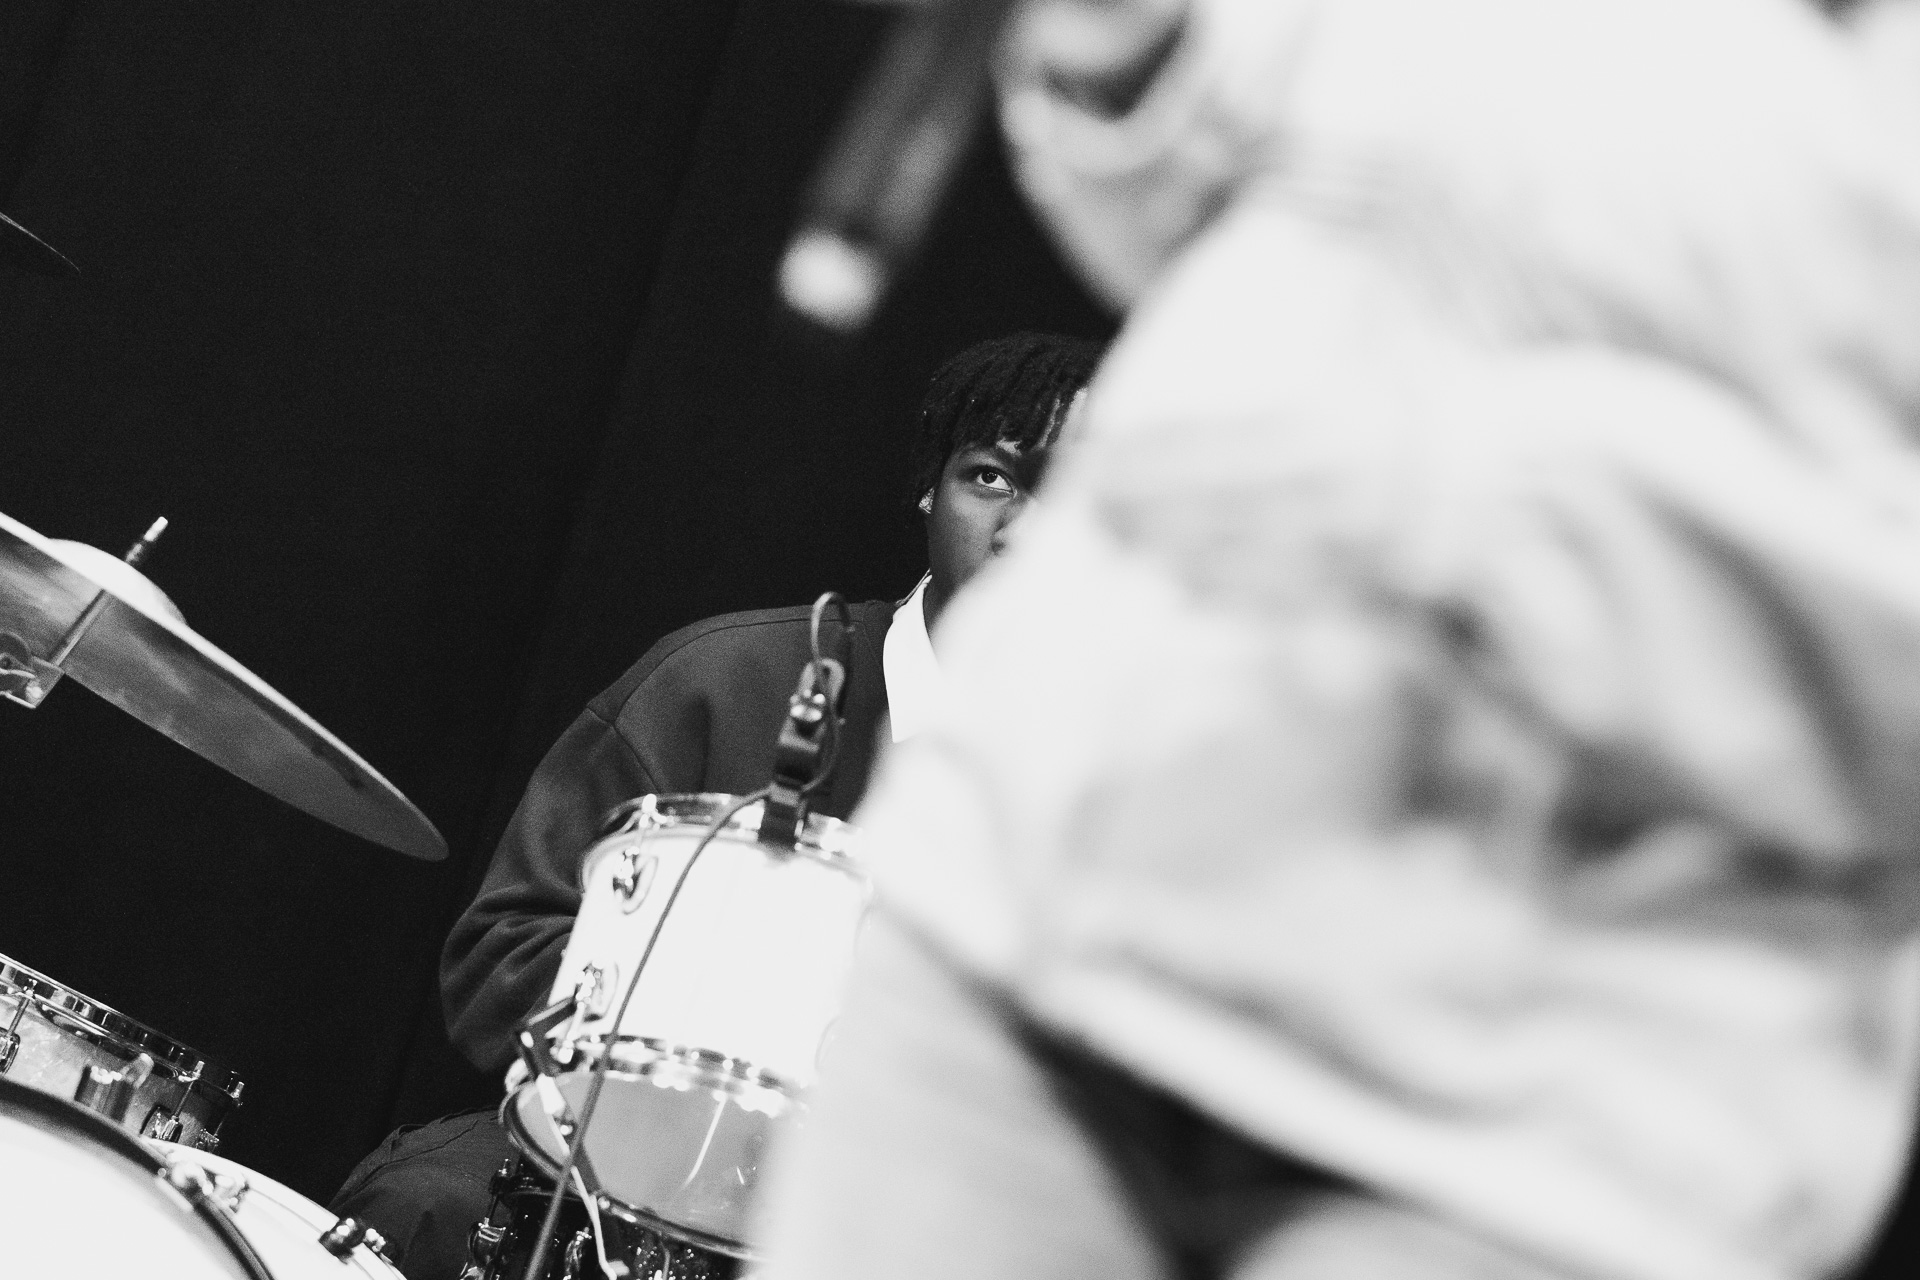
(912, 674)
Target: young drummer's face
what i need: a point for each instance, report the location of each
(981, 492)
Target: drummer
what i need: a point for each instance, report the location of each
(701, 711)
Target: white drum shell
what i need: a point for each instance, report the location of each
(725, 1030)
(749, 966)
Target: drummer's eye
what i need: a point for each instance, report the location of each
(995, 479)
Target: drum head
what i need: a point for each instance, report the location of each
(79, 1198)
(680, 1146)
(282, 1225)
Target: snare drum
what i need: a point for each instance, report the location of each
(725, 1029)
(50, 1032)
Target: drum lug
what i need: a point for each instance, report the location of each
(223, 1190)
(634, 877)
(344, 1236)
(593, 994)
(209, 1139)
(164, 1125)
(111, 1092)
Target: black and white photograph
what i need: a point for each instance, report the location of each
(938, 639)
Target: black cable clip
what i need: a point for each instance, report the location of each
(531, 1037)
(809, 742)
(804, 751)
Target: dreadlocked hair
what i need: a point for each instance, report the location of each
(1017, 388)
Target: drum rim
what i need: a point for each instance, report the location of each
(103, 1132)
(825, 839)
(537, 1155)
(71, 1010)
(719, 1069)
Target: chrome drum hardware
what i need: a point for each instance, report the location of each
(64, 1043)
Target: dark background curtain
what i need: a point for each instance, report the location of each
(445, 335)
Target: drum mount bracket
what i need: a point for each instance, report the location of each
(803, 754)
(534, 1047)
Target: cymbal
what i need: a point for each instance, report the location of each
(138, 652)
(25, 249)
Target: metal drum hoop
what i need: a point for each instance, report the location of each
(826, 840)
(605, 1201)
(87, 1018)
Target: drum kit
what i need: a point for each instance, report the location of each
(695, 997)
(104, 1120)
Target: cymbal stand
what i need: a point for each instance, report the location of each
(27, 678)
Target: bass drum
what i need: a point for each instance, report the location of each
(282, 1226)
(83, 1200)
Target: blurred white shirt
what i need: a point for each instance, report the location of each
(1457, 715)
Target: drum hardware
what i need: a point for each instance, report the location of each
(348, 1234)
(589, 1000)
(72, 1046)
(226, 1188)
(68, 609)
(73, 1175)
(202, 1187)
(591, 996)
(36, 679)
(166, 1126)
(111, 1092)
(634, 877)
(543, 1054)
(499, 1246)
(24, 678)
(297, 1239)
(10, 1038)
(809, 741)
(486, 1245)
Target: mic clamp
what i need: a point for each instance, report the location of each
(803, 756)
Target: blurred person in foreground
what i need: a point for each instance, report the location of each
(1448, 801)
